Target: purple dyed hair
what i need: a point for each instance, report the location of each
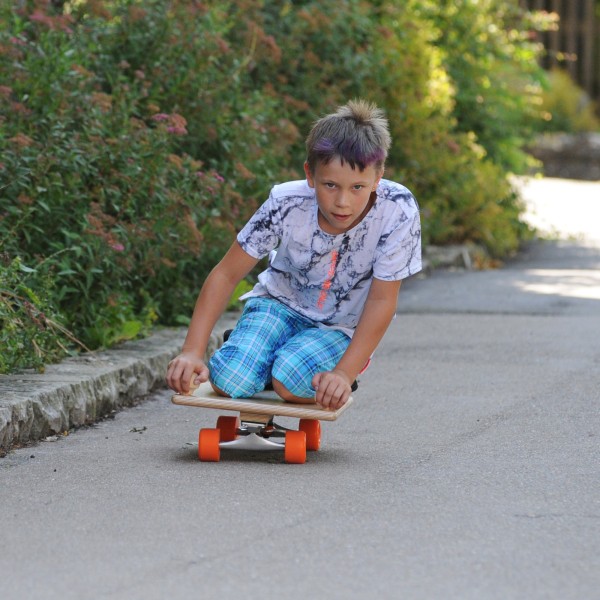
(357, 134)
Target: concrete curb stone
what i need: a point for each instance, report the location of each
(569, 156)
(462, 256)
(86, 388)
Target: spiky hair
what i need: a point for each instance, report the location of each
(357, 133)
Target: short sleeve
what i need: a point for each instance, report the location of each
(399, 250)
(263, 231)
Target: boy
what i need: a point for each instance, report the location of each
(340, 243)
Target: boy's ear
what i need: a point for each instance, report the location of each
(309, 175)
(379, 177)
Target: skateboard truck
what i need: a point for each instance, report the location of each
(250, 425)
(253, 435)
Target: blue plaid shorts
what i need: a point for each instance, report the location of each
(273, 341)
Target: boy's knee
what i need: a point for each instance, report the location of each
(218, 390)
(229, 378)
(290, 385)
(232, 386)
(282, 391)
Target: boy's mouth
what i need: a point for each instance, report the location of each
(340, 217)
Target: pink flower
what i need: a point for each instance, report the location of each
(38, 16)
(219, 178)
(177, 130)
(160, 117)
(117, 247)
(53, 23)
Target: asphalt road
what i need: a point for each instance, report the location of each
(468, 467)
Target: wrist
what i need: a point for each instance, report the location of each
(193, 353)
(344, 374)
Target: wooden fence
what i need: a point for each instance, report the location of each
(576, 44)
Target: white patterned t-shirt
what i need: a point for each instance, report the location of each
(326, 277)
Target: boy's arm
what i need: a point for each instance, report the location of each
(333, 387)
(212, 301)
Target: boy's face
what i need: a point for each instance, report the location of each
(343, 193)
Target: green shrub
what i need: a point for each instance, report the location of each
(31, 332)
(327, 52)
(492, 59)
(566, 107)
(136, 138)
(91, 167)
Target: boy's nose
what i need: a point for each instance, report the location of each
(341, 200)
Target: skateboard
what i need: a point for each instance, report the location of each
(254, 429)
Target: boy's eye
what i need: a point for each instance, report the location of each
(331, 186)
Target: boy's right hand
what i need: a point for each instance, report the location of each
(185, 368)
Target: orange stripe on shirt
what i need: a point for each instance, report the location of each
(327, 283)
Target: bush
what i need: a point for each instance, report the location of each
(31, 332)
(384, 51)
(491, 57)
(566, 107)
(136, 138)
(92, 177)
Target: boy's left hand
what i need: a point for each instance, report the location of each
(333, 389)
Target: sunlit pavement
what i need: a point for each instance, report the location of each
(563, 208)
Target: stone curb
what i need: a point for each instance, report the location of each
(569, 156)
(86, 388)
(461, 256)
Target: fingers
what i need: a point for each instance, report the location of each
(201, 376)
(179, 376)
(184, 374)
(316, 380)
(332, 390)
(196, 378)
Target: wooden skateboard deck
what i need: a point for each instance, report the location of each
(254, 429)
(263, 403)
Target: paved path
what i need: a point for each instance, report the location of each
(468, 467)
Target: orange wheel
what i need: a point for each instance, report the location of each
(312, 429)
(228, 427)
(208, 445)
(295, 447)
